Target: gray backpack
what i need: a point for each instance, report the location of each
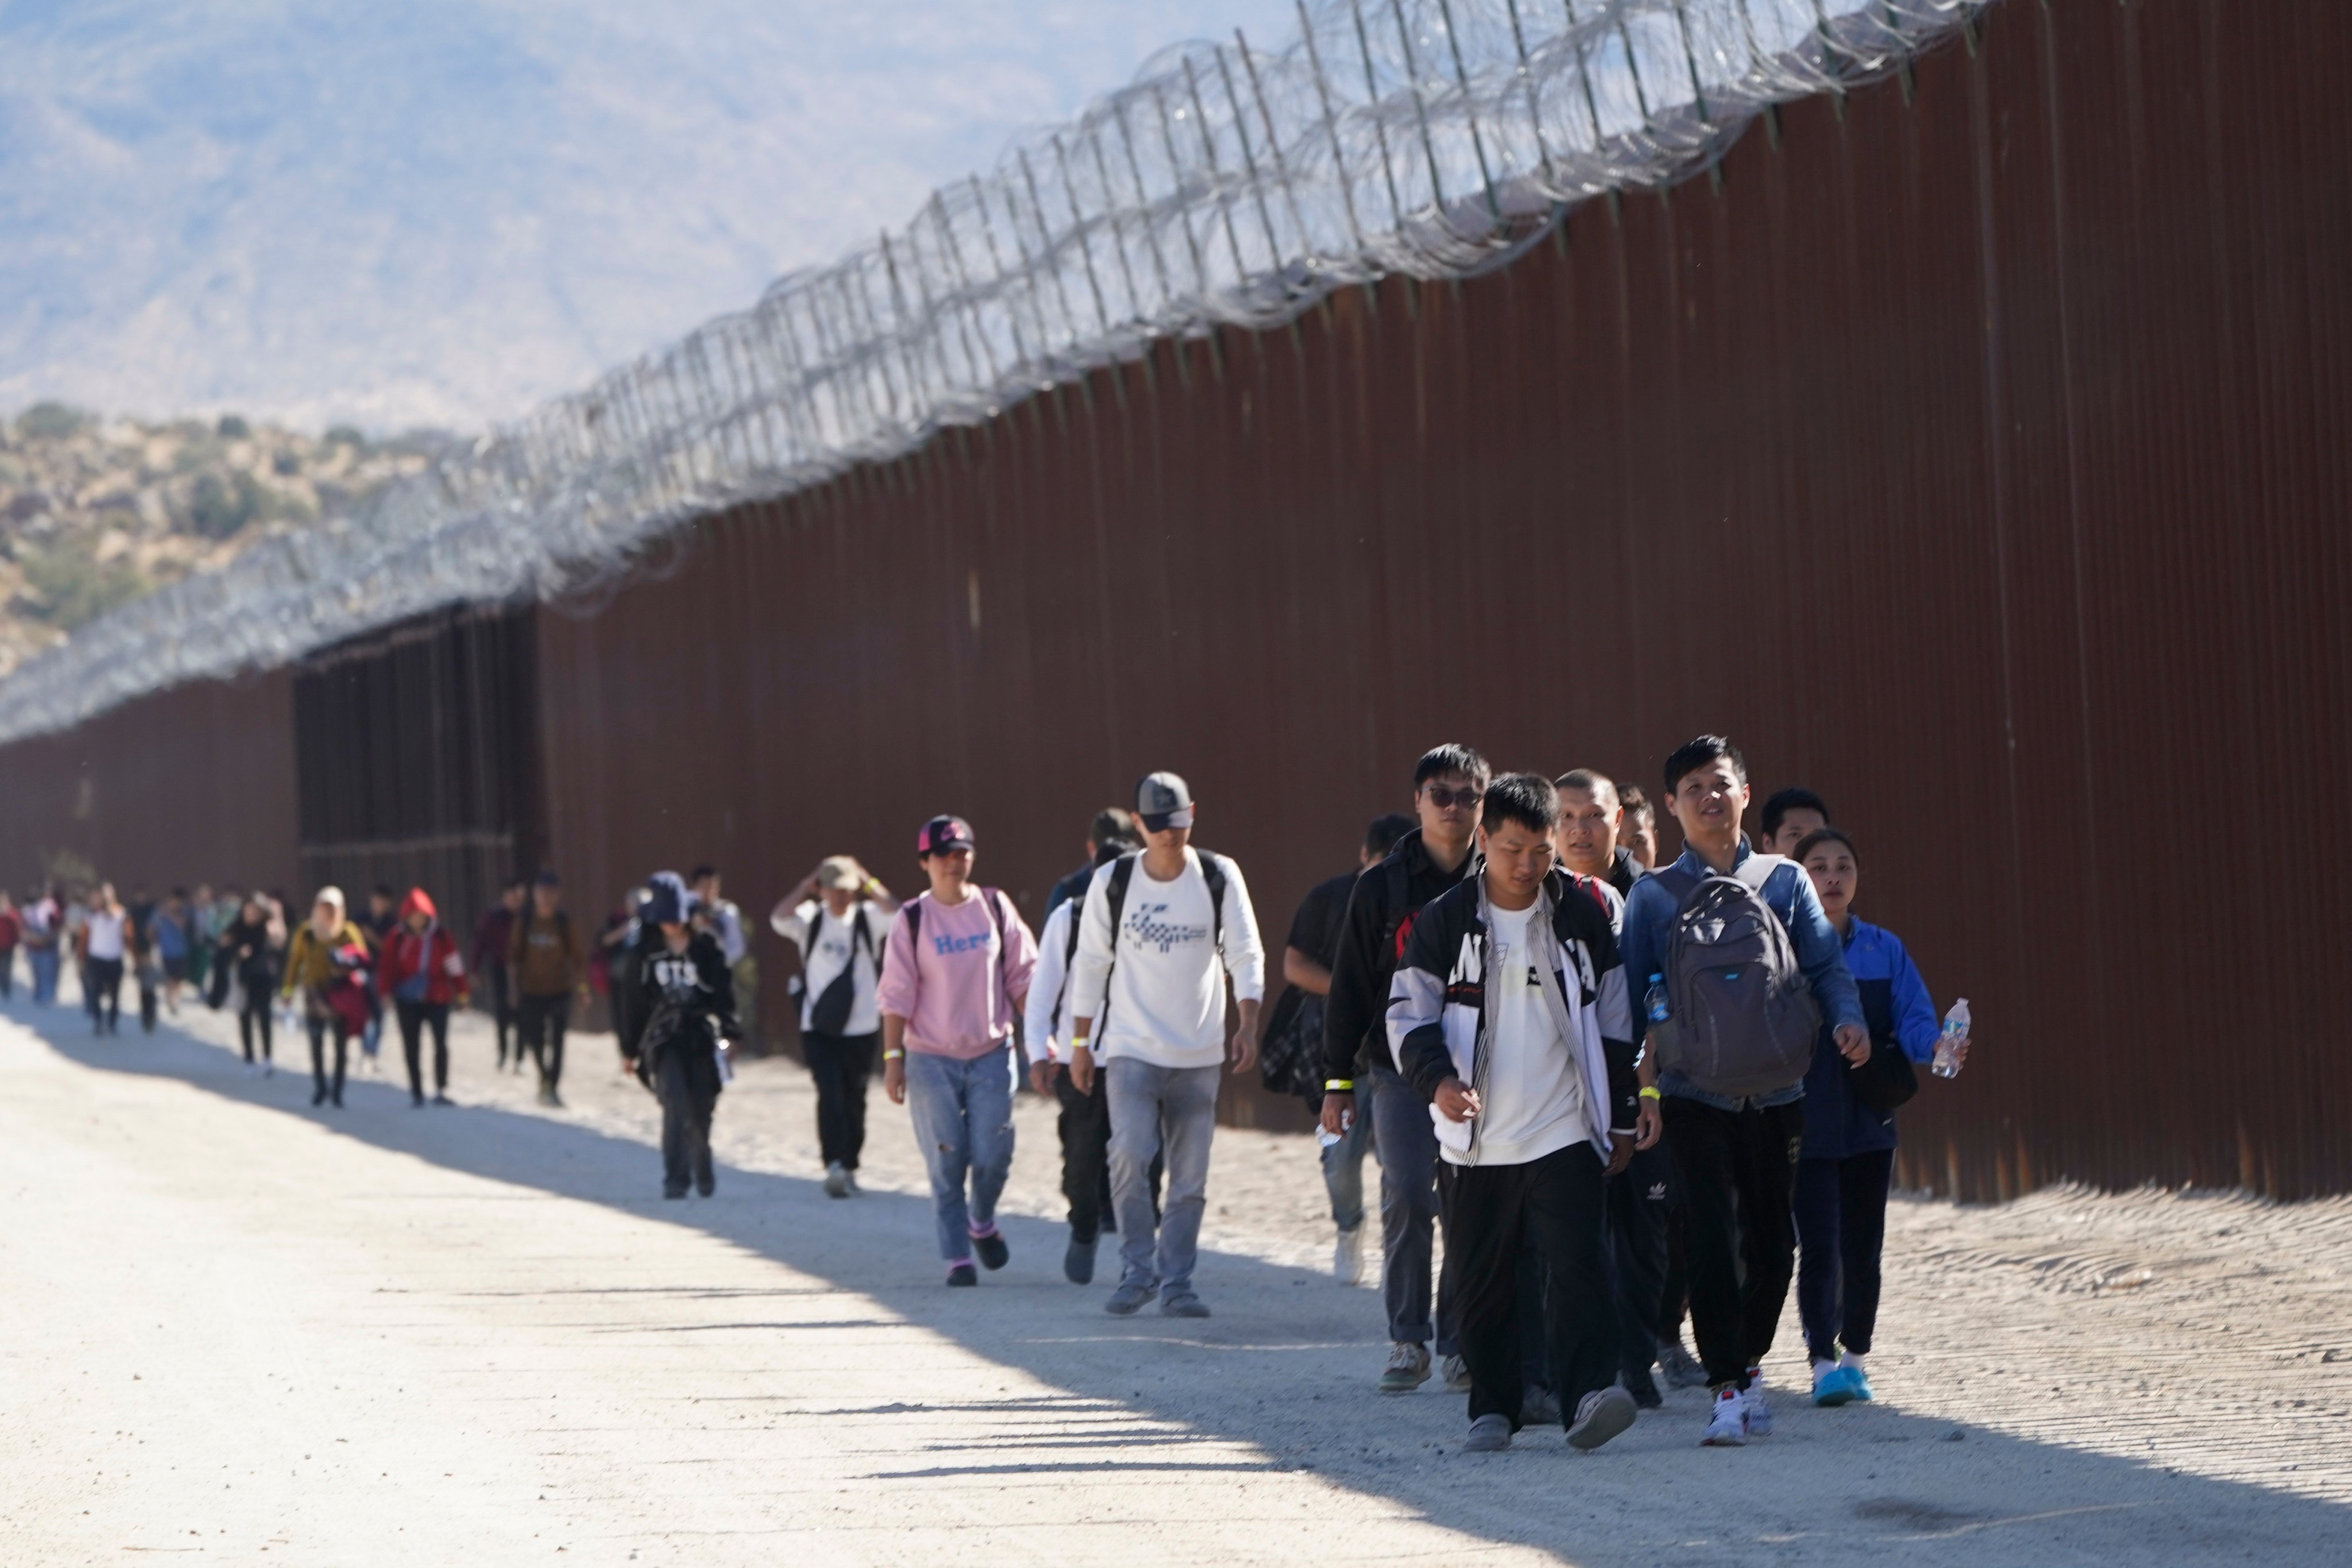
(1744, 1020)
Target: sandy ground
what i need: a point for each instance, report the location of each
(241, 1329)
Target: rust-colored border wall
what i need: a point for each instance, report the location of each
(1973, 452)
(188, 786)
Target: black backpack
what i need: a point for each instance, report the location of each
(1122, 875)
(829, 1014)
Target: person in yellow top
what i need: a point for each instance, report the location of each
(319, 971)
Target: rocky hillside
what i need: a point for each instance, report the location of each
(95, 512)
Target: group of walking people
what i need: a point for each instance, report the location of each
(1625, 1093)
(1622, 1094)
(336, 975)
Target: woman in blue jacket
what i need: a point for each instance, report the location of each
(1848, 1163)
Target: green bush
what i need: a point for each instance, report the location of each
(67, 584)
(233, 427)
(50, 421)
(347, 435)
(218, 507)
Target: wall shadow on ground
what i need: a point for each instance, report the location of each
(1304, 1352)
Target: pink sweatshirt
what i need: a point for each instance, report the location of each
(962, 991)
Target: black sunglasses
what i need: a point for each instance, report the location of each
(1443, 798)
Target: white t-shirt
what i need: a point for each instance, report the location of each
(1534, 1099)
(105, 935)
(1167, 996)
(836, 940)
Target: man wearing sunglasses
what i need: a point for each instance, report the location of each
(1162, 933)
(1361, 1078)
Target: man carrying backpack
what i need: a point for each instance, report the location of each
(1361, 1075)
(1736, 948)
(839, 933)
(1085, 1120)
(1156, 926)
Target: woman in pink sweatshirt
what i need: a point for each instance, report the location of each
(955, 973)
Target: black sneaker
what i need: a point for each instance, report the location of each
(706, 1185)
(679, 1193)
(991, 1251)
(963, 1274)
(1078, 1262)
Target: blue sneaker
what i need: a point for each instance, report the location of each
(1835, 1386)
(1860, 1381)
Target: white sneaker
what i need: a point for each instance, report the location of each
(1759, 1415)
(1726, 1421)
(836, 1180)
(1600, 1416)
(1348, 1257)
(1456, 1372)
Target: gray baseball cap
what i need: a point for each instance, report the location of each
(1163, 801)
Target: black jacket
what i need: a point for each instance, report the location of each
(696, 982)
(1440, 994)
(1379, 913)
(1624, 872)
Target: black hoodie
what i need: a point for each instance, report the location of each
(1380, 914)
(695, 982)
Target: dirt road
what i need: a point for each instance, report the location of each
(243, 1330)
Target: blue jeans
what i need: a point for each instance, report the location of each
(45, 974)
(1160, 1110)
(963, 1119)
(1406, 1143)
(1343, 1165)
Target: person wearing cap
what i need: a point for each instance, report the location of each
(1155, 927)
(954, 974)
(838, 917)
(680, 1009)
(546, 959)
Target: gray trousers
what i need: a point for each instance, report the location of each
(1156, 1110)
(1406, 1143)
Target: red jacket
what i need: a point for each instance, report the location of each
(432, 954)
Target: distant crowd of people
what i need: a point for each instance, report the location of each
(1624, 1094)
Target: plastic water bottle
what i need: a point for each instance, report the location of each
(1952, 1041)
(1655, 1000)
(1327, 1138)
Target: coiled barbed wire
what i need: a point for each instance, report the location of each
(1226, 185)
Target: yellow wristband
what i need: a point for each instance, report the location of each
(892, 1056)
(1338, 1085)
(1649, 1094)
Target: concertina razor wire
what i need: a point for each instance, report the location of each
(1226, 185)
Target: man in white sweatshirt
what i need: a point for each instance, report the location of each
(1147, 1000)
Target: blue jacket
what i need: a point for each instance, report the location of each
(1895, 1002)
(1788, 893)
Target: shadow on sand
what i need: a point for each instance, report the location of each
(1862, 1484)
